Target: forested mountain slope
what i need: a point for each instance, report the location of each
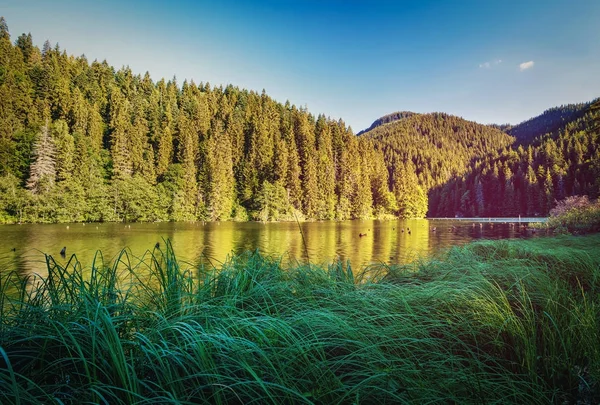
(437, 146)
(82, 141)
(529, 179)
(549, 122)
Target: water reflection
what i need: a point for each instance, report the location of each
(22, 247)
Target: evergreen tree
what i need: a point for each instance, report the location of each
(410, 197)
(4, 34)
(65, 150)
(43, 169)
(221, 180)
(120, 128)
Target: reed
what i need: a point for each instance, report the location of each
(491, 322)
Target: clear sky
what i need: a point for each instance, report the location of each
(499, 61)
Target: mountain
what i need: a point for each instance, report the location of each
(549, 122)
(437, 146)
(558, 156)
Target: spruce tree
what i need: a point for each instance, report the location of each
(42, 174)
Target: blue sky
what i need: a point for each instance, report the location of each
(485, 60)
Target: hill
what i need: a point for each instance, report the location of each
(528, 178)
(83, 141)
(437, 146)
(549, 122)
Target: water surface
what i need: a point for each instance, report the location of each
(22, 247)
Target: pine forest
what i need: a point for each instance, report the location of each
(82, 141)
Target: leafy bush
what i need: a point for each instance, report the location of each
(576, 214)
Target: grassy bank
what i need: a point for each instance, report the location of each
(491, 322)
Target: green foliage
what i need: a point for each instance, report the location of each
(73, 130)
(496, 322)
(577, 215)
(529, 179)
(412, 201)
(13, 200)
(274, 204)
(439, 145)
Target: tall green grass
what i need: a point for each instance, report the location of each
(492, 322)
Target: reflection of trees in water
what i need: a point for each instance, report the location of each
(211, 243)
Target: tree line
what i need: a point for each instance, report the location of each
(531, 178)
(82, 141)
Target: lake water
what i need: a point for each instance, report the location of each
(22, 247)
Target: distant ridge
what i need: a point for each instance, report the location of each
(386, 119)
(548, 122)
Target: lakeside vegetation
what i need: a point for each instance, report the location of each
(574, 215)
(513, 321)
(82, 142)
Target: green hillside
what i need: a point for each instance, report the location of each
(437, 146)
(85, 141)
(528, 179)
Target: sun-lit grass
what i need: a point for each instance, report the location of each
(492, 322)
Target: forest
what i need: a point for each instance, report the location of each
(530, 177)
(82, 141)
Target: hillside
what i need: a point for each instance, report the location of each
(85, 141)
(438, 146)
(549, 122)
(529, 179)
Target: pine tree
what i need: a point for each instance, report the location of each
(25, 44)
(410, 196)
(4, 33)
(164, 134)
(65, 150)
(43, 169)
(188, 200)
(548, 193)
(221, 180)
(479, 198)
(120, 127)
(325, 203)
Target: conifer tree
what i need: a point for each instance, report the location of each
(220, 168)
(4, 34)
(410, 197)
(65, 150)
(120, 128)
(43, 169)
(325, 202)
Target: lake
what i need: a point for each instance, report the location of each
(22, 247)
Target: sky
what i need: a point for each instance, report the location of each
(490, 61)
